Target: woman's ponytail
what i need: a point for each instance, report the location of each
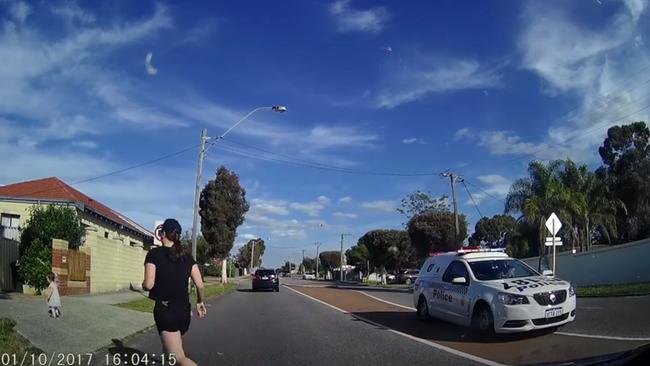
(177, 253)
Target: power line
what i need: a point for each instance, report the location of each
(115, 172)
(485, 192)
(286, 159)
(472, 198)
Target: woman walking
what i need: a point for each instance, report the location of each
(166, 273)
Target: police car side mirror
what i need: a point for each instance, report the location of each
(547, 272)
(459, 280)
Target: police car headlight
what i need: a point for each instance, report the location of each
(511, 299)
(572, 291)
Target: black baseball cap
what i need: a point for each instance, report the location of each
(171, 225)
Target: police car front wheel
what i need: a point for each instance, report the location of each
(483, 321)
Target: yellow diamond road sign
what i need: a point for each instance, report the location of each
(553, 224)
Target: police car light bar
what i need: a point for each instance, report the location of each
(469, 249)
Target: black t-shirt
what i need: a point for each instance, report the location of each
(171, 276)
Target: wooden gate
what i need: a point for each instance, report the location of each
(76, 266)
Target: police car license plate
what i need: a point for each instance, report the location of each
(266, 278)
(552, 313)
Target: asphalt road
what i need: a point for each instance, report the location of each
(286, 328)
(622, 317)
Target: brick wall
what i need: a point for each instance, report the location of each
(60, 255)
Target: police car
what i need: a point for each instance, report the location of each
(490, 292)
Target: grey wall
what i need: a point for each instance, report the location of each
(626, 263)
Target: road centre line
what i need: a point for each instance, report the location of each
(595, 336)
(386, 301)
(420, 340)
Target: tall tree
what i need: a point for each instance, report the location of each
(388, 249)
(256, 246)
(330, 259)
(493, 231)
(201, 247)
(309, 264)
(357, 256)
(436, 231)
(626, 158)
(420, 202)
(223, 206)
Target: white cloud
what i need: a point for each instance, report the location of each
(382, 206)
(310, 208)
(292, 234)
(429, 76)
(270, 207)
(345, 215)
(73, 13)
(345, 199)
(349, 19)
(201, 32)
(638, 41)
(462, 133)
(494, 185)
(86, 144)
(247, 236)
(324, 200)
(410, 140)
(598, 65)
(19, 10)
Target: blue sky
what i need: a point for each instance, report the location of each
(479, 88)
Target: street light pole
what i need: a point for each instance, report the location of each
(204, 139)
(317, 258)
(341, 265)
(252, 254)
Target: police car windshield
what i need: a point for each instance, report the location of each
(497, 269)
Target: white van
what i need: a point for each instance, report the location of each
(490, 292)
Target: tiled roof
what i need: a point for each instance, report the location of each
(55, 189)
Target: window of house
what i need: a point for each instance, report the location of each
(10, 226)
(106, 234)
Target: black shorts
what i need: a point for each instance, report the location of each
(172, 317)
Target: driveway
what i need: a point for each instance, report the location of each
(87, 322)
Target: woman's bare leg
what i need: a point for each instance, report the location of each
(173, 343)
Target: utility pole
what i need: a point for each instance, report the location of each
(252, 254)
(453, 177)
(317, 258)
(341, 265)
(197, 191)
(303, 261)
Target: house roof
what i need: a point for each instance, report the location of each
(54, 189)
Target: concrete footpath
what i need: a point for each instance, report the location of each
(87, 322)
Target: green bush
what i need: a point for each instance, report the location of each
(35, 263)
(214, 271)
(35, 251)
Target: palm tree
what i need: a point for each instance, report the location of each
(535, 197)
(593, 206)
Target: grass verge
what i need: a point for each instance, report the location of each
(11, 342)
(146, 305)
(630, 289)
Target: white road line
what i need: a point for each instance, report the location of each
(560, 333)
(386, 301)
(612, 338)
(420, 340)
(590, 308)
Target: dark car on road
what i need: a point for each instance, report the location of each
(407, 276)
(266, 279)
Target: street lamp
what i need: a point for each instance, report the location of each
(204, 139)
